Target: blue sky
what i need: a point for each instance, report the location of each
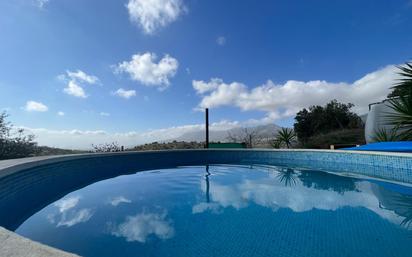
(251, 62)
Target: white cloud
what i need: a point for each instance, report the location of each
(33, 106)
(67, 214)
(202, 87)
(106, 114)
(82, 77)
(60, 113)
(67, 204)
(75, 217)
(270, 192)
(141, 226)
(83, 139)
(152, 15)
(75, 81)
(74, 90)
(115, 201)
(41, 3)
(284, 100)
(144, 69)
(203, 207)
(221, 41)
(126, 94)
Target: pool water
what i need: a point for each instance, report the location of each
(229, 211)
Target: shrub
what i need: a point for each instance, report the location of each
(14, 143)
(324, 119)
(339, 137)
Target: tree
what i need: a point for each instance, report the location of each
(382, 135)
(107, 147)
(404, 86)
(14, 143)
(285, 137)
(276, 144)
(247, 135)
(324, 119)
(401, 105)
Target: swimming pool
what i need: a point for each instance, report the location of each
(214, 203)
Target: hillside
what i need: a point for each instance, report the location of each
(262, 131)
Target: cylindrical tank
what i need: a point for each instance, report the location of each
(377, 120)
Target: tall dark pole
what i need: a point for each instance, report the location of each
(207, 128)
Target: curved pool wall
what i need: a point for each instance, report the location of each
(28, 185)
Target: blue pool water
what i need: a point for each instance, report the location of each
(229, 211)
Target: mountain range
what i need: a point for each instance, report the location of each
(262, 131)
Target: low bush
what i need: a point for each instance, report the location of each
(339, 137)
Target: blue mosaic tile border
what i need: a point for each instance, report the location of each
(389, 166)
(397, 167)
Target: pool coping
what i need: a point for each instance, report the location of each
(12, 244)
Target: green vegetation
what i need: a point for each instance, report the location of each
(401, 119)
(383, 135)
(401, 104)
(404, 86)
(169, 145)
(13, 142)
(339, 138)
(284, 138)
(333, 123)
(107, 147)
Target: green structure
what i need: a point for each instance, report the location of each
(227, 145)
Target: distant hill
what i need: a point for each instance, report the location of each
(263, 131)
(168, 145)
(45, 150)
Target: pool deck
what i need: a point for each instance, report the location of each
(13, 245)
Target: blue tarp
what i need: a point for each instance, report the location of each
(403, 146)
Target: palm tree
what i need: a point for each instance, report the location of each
(401, 118)
(401, 104)
(287, 176)
(404, 86)
(286, 136)
(383, 135)
(276, 144)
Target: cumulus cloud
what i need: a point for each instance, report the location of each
(67, 214)
(67, 204)
(75, 217)
(74, 90)
(126, 94)
(203, 207)
(151, 15)
(83, 139)
(141, 226)
(75, 81)
(284, 100)
(33, 106)
(115, 201)
(82, 76)
(270, 192)
(144, 69)
(60, 113)
(202, 87)
(106, 114)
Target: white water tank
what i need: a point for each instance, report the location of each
(377, 120)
